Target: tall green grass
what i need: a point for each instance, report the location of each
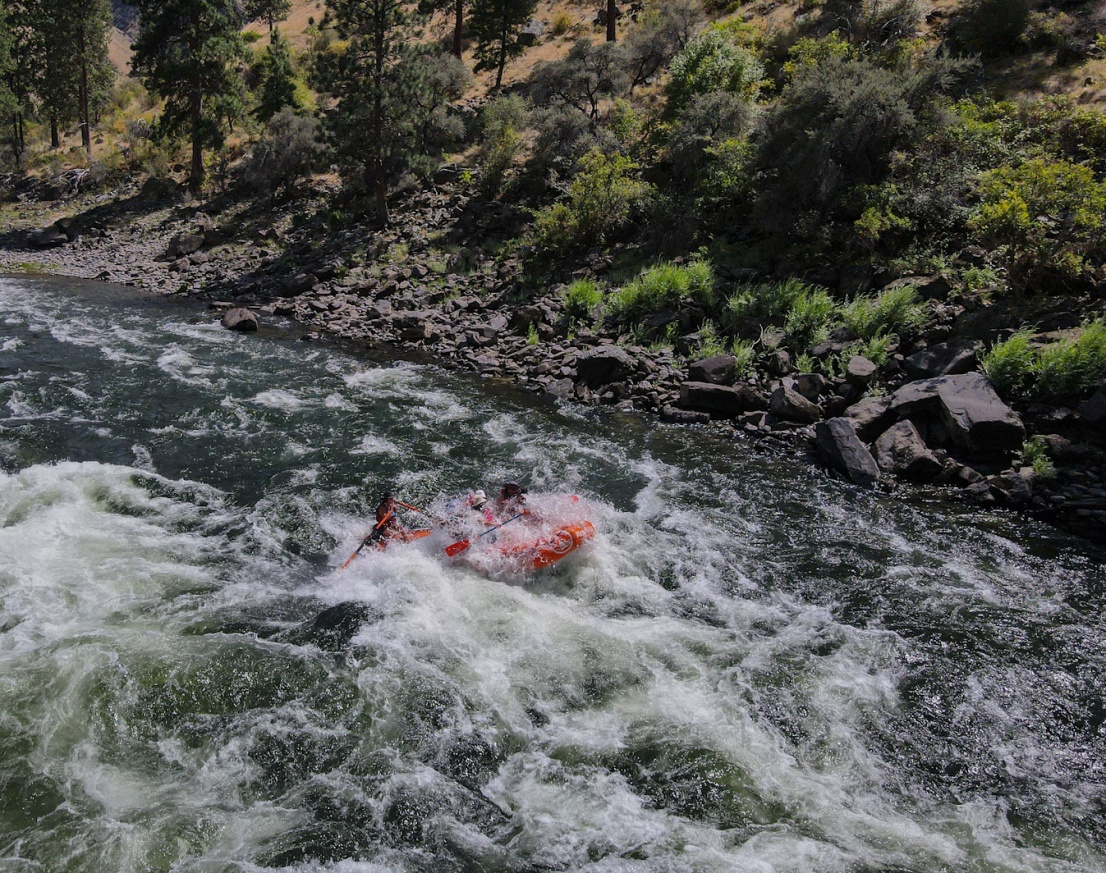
(665, 286)
(893, 311)
(1069, 367)
(582, 298)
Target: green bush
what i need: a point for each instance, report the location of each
(990, 28)
(1035, 451)
(1022, 207)
(712, 61)
(665, 286)
(602, 199)
(710, 343)
(501, 120)
(582, 298)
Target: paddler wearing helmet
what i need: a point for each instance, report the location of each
(478, 502)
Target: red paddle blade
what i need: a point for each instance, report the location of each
(457, 547)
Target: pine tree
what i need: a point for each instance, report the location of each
(495, 25)
(187, 53)
(388, 96)
(77, 68)
(269, 11)
(457, 8)
(24, 77)
(278, 86)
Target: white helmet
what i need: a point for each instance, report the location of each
(479, 498)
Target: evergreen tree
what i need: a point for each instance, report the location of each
(186, 52)
(269, 11)
(76, 64)
(278, 86)
(25, 68)
(388, 107)
(457, 8)
(496, 24)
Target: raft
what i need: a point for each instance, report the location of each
(400, 536)
(551, 548)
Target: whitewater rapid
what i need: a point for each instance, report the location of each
(752, 667)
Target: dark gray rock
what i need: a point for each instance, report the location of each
(718, 370)
(810, 385)
(870, 417)
(842, 450)
(860, 371)
(240, 319)
(561, 388)
(48, 238)
(944, 359)
(973, 414)
(901, 451)
(1093, 411)
(184, 244)
(683, 416)
(603, 365)
(723, 401)
(299, 284)
(790, 405)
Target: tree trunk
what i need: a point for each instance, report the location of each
(55, 140)
(196, 178)
(458, 26)
(82, 109)
(502, 55)
(612, 9)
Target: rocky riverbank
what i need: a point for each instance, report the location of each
(434, 283)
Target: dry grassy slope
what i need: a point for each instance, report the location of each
(1027, 75)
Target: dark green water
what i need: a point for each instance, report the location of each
(752, 667)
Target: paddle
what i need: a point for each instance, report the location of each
(368, 539)
(459, 546)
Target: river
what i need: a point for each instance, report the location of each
(752, 667)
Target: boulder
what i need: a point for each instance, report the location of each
(1093, 411)
(789, 405)
(718, 370)
(299, 284)
(944, 359)
(860, 371)
(842, 450)
(603, 365)
(810, 385)
(901, 451)
(968, 407)
(683, 416)
(48, 238)
(240, 319)
(184, 244)
(723, 401)
(870, 417)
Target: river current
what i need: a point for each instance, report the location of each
(752, 667)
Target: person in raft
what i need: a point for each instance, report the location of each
(387, 522)
(478, 502)
(511, 500)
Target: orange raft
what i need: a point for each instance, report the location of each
(400, 536)
(550, 549)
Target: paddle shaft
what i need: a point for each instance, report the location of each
(459, 546)
(367, 539)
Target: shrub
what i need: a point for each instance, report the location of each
(665, 286)
(1035, 451)
(561, 23)
(710, 343)
(582, 298)
(1022, 207)
(990, 27)
(712, 61)
(501, 120)
(289, 150)
(601, 200)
